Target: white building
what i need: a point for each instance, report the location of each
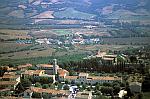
(84, 78)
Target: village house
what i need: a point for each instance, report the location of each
(23, 67)
(9, 80)
(52, 92)
(36, 73)
(47, 67)
(84, 95)
(84, 78)
(62, 74)
(107, 59)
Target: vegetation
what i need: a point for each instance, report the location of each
(73, 14)
(39, 60)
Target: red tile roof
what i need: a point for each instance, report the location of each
(53, 91)
(31, 72)
(71, 77)
(24, 66)
(103, 78)
(44, 65)
(62, 72)
(8, 82)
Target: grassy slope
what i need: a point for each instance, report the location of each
(39, 60)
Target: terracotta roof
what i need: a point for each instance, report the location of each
(8, 82)
(44, 65)
(71, 77)
(102, 78)
(31, 72)
(11, 69)
(10, 76)
(82, 95)
(7, 89)
(111, 59)
(111, 56)
(62, 72)
(24, 66)
(10, 73)
(83, 74)
(53, 91)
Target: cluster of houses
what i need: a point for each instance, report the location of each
(106, 59)
(11, 79)
(75, 39)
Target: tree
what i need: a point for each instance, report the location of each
(100, 97)
(46, 95)
(72, 73)
(107, 84)
(133, 59)
(46, 80)
(89, 88)
(52, 86)
(45, 86)
(97, 87)
(84, 86)
(36, 95)
(66, 87)
(106, 90)
(19, 88)
(66, 82)
(37, 84)
(26, 83)
(116, 89)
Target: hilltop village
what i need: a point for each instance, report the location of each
(50, 81)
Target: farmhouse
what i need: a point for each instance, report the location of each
(23, 67)
(36, 73)
(50, 92)
(84, 78)
(9, 80)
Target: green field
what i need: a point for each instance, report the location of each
(62, 32)
(40, 60)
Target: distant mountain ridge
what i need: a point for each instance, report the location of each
(28, 9)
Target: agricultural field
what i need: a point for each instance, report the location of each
(12, 47)
(106, 47)
(20, 51)
(50, 33)
(71, 13)
(127, 41)
(46, 14)
(59, 32)
(62, 32)
(28, 54)
(7, 34)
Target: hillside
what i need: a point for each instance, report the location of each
(13, 11)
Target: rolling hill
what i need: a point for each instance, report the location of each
(71, 9)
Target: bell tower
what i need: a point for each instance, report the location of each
(55, 67)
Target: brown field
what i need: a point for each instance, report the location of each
(46, 14)
(28, 54)
(14, 34)
(51, 32)
(7, 47)
(128, 41)
(105, 47)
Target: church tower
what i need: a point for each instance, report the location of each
(55, 67)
